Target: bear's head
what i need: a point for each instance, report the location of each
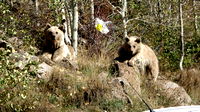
(133, 44)
(55, 35)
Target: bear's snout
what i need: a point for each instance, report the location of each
(52, 35)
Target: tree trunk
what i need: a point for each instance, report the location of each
(124, 10)
(195, 17)
(69, 24)
(181, 34)
(170, 12)
(75, 27)
(159, 12)
(11, 3)
(69, 20)
(92, 10)
(64, 22)
(36, 7)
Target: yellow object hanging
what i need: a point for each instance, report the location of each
(99, 27)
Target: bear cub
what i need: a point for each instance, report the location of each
(54, 44)
(135, 53)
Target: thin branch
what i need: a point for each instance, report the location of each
(118, 9)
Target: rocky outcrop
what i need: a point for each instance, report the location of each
(127, 81)
(124, 82)
(21, 59)
(46, 68)
(129, 76)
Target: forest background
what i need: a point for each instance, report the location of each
(170, 27)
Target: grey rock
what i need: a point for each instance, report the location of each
(44, 71)
(21, 59)
(173, 92)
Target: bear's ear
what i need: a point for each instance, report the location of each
(63, 21)
(48, 25)
(138, 40)
(127, 39)
(62, 28)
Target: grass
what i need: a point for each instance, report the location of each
(70, 90)
(81, 90)
(93, 65)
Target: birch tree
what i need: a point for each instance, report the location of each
(68, 19)
(75, 27)
(36, 7)
(92, 9)
(195, 16)
(170, 12)
(181, 33)
(123, 13)
(64, 22)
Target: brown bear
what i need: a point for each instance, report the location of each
(54, 44)
(134, 52)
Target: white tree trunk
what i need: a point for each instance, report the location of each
(36, 7)
(181, 34)
(170, 12)
(69, 21)
(92, 9)
(123, 13)
(11, 3)
(75, 27)
(64, 22)
(195, 16)
(69, 24)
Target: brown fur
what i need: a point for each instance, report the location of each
(134, 52)
(55, 47)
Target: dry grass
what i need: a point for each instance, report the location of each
(76, 89)
(95, 64)
(190, 80)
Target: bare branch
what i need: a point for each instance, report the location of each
(118, 9)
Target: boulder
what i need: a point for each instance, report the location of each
(15, 41)
(66, 63)
(172, 91)
(44, 71)
(125, 82)
(128, 75)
